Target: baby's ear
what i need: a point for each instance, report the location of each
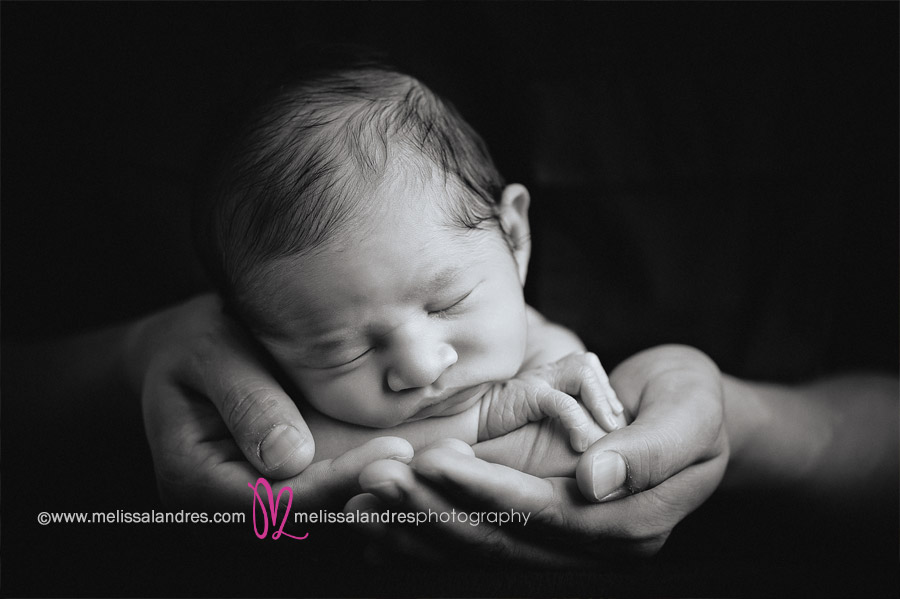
(514, 219)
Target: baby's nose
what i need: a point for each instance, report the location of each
(419, 364)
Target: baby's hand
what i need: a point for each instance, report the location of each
(549, 391)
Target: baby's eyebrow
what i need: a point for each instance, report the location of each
(442, 279)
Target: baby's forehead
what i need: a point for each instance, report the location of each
(408, 191)
(355, 277)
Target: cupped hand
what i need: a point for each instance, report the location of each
(632, 486)
(216, 419)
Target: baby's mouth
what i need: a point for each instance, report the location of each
(453, 404)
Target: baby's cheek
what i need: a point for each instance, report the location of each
(501, 344)
(353, 397)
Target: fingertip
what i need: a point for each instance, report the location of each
(433, 462)
(617, 406)
(612, 421)
(589, 436)
(364, 502)
(386, 479)
(453, 444)
(389, 448)
(601, 475)
(578, 441)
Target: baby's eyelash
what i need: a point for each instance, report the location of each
(444, 311)
(347, 363)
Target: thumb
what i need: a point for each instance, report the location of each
(677, 396)
(663, 441)
(265, 423)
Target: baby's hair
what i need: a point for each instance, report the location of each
(299, 167)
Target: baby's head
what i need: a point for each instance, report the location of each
(360, 230)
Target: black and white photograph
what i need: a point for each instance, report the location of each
(503, 299)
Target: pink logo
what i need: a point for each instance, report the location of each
(273, 510)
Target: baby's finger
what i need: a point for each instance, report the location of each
(576, 375)
(611, 396)
(583, 431)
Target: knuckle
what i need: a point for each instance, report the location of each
(242, 405)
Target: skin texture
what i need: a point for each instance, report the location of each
(216, 419)
(677, 394)
(413, 318)
(404, 319)
(210, 404)
(807, 442)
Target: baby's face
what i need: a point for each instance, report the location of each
(403, 321)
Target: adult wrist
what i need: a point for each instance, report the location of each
(746, 414)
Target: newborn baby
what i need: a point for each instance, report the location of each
(360, 230)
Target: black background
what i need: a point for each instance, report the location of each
(718, 175)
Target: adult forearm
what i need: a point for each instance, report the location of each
(834, 439)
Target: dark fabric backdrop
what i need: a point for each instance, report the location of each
(718, 175)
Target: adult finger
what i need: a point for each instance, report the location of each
(638, 524)
(264, 420)
(396, 485)
(330, 482)
(680, 423)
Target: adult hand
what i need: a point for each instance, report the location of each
(647, 477)
(216, 419)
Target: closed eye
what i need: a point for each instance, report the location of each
(452, 307)
(346, 363)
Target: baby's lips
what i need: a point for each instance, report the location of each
(454, 404)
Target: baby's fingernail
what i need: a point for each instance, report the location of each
(610, 418)
(279, 445)
(580, 444)
(617, 406)
(608, 473)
